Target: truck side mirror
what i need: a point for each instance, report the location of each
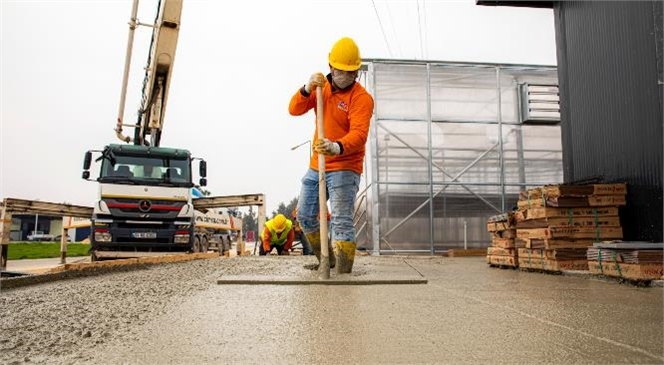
(86, 175)
(203, 181)
(202, 169)
(87, 160)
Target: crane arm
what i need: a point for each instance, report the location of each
(156, 83)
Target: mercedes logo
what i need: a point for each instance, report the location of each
(144, 205)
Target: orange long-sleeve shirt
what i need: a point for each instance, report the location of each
(346, 119)
(267, 239)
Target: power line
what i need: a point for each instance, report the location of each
(419, 26)
(394, 29)
(382, 29)
(426, 34)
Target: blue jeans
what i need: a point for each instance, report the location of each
(342, 187)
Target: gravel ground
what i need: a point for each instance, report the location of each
(63, 322)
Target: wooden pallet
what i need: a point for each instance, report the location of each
(552, 243)
(511, 262)
(604, 221)
(553, 266)
(636, 272)
(548, 212)
(573, 202)
(460, 252)
(596, 233)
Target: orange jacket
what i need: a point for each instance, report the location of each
(346, 118)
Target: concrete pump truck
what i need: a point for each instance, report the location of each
(147, 200)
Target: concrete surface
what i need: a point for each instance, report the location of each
(467, 313)
(37, 266)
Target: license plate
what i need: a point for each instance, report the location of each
(144, 234)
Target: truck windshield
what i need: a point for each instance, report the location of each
(146, 170)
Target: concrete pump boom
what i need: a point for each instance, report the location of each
(157, 74)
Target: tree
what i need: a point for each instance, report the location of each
(286, 210)
(249, 221)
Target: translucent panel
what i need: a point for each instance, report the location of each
(463, 94)
(399, 92)
(533, 155)
(448, 150)
(402, 153)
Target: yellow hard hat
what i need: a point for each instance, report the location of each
(279, 222)
(345, 55)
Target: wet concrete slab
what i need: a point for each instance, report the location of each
(467, 313)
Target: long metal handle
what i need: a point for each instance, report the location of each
(324, 266)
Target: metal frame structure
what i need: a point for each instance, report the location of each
(448, 148)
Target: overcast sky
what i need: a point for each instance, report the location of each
(236, 67)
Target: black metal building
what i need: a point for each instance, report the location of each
(609, 57)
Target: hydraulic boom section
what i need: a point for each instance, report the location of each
(150, 123)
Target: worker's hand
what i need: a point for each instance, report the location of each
(327, 147)
(317, 79)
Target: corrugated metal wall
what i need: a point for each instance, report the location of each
(609, 62)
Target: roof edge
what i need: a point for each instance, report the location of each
(522, 4)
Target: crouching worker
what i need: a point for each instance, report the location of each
(279, 234)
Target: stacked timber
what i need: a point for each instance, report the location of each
(557, 223)
(503, 249)
(635, 261)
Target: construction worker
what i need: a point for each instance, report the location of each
(299, 235)
(279, 234)
(347, 111)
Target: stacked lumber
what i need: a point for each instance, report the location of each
(638, 261)
(553, 260)
(503, 249)
(557, 223)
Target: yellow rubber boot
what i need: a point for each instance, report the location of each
(314, 241)
(345, 252)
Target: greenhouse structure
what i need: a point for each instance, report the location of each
(450, 145)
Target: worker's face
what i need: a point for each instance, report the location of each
(342, 79)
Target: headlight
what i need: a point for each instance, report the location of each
(103, 235)
(181, 236)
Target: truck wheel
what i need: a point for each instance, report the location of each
(204, 245)
(227, 244)
(197, 244)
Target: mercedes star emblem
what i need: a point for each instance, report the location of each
(144, 205)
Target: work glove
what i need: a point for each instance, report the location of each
(327, 147)
(317, 79)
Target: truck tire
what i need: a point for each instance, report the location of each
(197, 245)
(205, 245)
(226, 244)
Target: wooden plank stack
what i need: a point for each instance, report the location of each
(557, 223)
(503, 249)
(634, 261)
